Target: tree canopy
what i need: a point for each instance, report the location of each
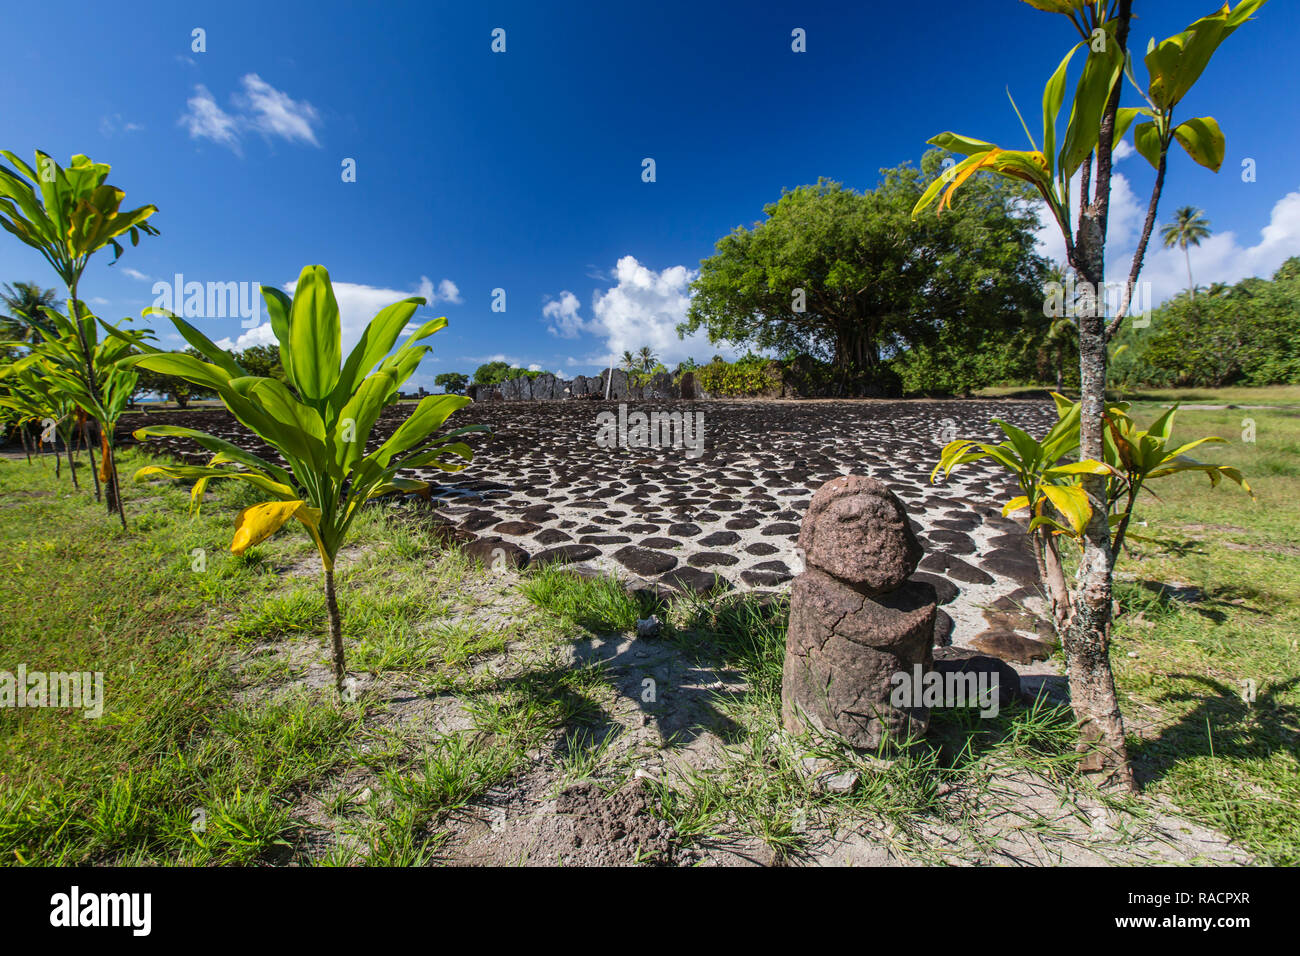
(850, 278)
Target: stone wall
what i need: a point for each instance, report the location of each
(547, 387)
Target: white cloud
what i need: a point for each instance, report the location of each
(135, 274)
(1123, 150)
(99, 300)
(206, 120)
(448, 292)
(358, 304)
(275, 113)
(1221, 258)
(113, 124)
(261, 108)
(644, 308)
(563, 314)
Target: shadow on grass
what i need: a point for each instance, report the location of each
(1223, 724)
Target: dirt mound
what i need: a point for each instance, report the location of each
(616, 829)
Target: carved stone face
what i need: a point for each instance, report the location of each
(857, 531)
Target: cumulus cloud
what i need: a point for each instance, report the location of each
(644, 307)
(448, 292)
(1224, 257)
(260, 108)
(563, 315)
(275, 113)
(358, 304)
(206, 120)
(135, 274)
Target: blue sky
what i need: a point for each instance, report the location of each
(522, 170)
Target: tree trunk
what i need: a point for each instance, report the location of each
(336, 630)
(1191, 286)
(1087, 638)
(90, 450)
(72, 468)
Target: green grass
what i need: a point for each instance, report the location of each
(181, 769)
(222, 742)
(599, 604)
(1185, 659)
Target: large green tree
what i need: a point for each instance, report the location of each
(851, 278)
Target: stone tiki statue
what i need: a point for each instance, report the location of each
(855, 619)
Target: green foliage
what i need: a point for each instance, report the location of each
(1229, 335)
(494, 373)
(453, 383)
(320, 421)
(25, 304)
(748, 376)
(1132, 457)
(874, 280)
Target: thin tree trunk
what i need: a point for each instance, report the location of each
(27, 449)
(336, 629)
(116, 486)
(72, 468)
(1191, 286)
(1087, 638)
(90, 450)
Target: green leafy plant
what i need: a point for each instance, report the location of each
(1096, 123)
(68, 215)
(319, 419)
(1052, 492)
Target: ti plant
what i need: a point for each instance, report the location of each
(34, 397)
(59, 359)
(68, 215)
(319, 420)
(1053, 496)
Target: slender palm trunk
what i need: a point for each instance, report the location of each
(1191, 286)
(72, 468)
(336, 630)
(90, 450)
(113, 488)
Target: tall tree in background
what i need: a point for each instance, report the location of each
(1188, 229)
(851, 277)
(24, 319)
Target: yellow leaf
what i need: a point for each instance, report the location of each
(1015, 504)
(1071, 501)
(988, 159)
(258, 522)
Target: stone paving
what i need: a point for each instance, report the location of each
(577, 481)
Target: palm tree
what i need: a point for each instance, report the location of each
(25, 322)
(629, 361)
(1188, 229)
(646, 356)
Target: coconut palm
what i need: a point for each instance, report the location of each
(1188, 229)
(646, 357)
(23, 303)
(628, 363)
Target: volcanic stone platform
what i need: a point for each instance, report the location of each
(543, 489)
